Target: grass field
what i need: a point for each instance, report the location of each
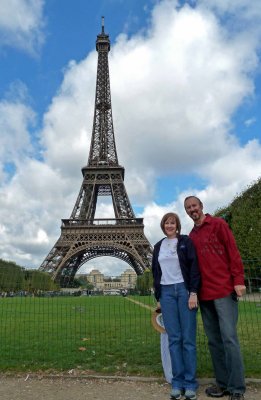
(104, 334)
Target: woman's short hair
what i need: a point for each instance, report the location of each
(171, 215)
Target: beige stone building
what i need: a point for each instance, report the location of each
(127, 280)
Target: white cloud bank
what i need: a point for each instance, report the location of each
(174, 90)
(21, 24)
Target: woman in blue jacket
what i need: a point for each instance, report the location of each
(176, 283)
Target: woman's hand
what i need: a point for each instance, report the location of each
(193, 301)
(158, 308)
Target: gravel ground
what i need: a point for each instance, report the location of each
(29, 387)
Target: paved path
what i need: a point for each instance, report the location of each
(74, 388)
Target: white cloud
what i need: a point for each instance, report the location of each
(250, 121)
(68, 122)
(110, 266)
(16, 118)
(21, 24)
(174, 91)
(241, 9)
(184, 88)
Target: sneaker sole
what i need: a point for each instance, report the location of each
(216, 396)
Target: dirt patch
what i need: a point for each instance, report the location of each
(67, 388)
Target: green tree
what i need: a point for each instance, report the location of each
(11, 276)
(36, 281)
(144, 282)
(244, 218)
(14, 278)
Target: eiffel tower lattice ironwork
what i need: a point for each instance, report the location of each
(82, 236)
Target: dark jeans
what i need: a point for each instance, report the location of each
(220, 319)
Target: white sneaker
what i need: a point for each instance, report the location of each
(175, 394)
(190, 395)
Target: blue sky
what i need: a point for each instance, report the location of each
(69, 33)
(185, 85)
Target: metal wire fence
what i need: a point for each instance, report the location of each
(53, 330)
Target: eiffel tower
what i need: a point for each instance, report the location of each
(82, 236)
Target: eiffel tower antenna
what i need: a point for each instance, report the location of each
(84, 237)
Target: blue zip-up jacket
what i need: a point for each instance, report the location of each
(188, 264)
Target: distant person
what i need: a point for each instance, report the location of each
(222, 283)
(176, 283)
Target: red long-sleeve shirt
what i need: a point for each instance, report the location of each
(220, 263)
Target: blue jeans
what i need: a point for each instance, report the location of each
(220, 320)
(180, 325)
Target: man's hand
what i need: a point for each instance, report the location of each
(240, 290)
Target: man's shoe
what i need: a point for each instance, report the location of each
(190, 395)
(175, 394)
(216, 391)
(236, 396)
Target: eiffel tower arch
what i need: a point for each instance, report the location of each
(84, 237)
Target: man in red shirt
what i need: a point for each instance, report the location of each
(222, 283)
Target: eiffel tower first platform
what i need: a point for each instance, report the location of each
(82, 236)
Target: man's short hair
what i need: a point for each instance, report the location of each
(193, 197)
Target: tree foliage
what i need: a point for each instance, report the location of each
(244, 218)
(144, 282)
(11, 276)
(14, 278)
(36, 280)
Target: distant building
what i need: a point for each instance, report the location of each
(127, 280)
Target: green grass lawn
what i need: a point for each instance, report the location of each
(105, 334)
